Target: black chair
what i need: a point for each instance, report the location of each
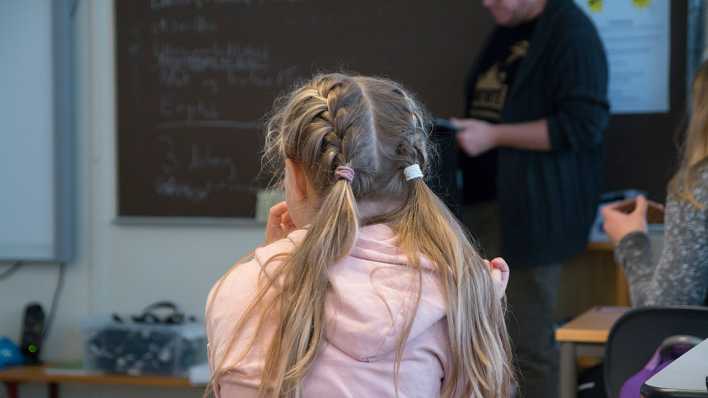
(639, 332)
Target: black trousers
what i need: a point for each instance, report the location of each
(532, 296)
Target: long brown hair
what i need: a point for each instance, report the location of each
(695, 146)
(375, 127)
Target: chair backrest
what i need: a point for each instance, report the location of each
(639, 332)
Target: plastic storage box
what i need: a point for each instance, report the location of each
(143, 349)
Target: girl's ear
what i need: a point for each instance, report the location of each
(299, 186)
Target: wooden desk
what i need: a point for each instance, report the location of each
(13, 377)
(621, 288)
(592, 278)
(585, 335)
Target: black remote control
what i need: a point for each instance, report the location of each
(32, 333)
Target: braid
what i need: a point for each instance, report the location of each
(332, 155)
(338, 95)
(413, 147)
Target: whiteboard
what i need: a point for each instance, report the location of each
(35, 131)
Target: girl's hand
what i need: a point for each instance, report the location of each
(618, 224)
(279, 223)
(500, 275)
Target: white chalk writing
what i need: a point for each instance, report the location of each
(202, 173)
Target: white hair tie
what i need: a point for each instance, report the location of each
(412, 172)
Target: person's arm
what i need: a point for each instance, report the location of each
(579, 91)
(477, 137)
(531, 135)
(679, 277)
(581, 110)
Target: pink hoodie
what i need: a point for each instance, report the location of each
(369, 299)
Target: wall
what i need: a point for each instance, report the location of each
(118, 268)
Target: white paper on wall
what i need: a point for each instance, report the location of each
(636, 35)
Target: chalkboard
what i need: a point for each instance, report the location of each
(195, 79)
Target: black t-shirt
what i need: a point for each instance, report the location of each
(488, 86)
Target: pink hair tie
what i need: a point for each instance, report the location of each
(344, 172)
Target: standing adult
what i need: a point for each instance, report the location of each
(536, 112)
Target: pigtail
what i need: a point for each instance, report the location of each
(325, 124)
(301, 304)
(481, 360)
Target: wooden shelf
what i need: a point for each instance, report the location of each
(40, 374)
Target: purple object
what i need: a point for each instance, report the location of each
(663, 356)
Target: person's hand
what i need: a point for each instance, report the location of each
(500, 275)
(475, 136)
(279, 223)
(618, 224)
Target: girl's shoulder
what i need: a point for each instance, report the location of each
(240, 283)
(271, 255)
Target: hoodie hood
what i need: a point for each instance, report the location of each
(372, 296)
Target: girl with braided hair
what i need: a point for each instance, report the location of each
(366, 285)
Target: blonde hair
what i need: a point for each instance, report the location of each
(375, 127)
(695, 147)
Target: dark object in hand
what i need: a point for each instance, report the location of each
(655, 211)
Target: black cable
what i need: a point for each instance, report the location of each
(55, 300)
(10, 270)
